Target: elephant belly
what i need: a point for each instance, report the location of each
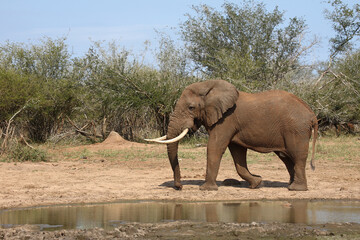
(262, 142)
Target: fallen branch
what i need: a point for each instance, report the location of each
(72, 123)
(92, 136)
(4, 144)
(89, 135)
(57, 138)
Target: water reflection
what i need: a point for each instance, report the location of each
(104, 215)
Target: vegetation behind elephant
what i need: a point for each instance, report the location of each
(271, 121)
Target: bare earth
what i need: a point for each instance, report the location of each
(120, 170)
(117, 170)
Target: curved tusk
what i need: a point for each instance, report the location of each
(156, 139)
(176, 138)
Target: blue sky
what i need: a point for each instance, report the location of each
(131, 23)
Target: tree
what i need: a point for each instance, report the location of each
(129, 94)
(247, 45)
(342, 87)
(339, 82)
(346, 23)
(38, 75)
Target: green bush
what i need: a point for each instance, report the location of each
(37, 76)
(21, 153)
(110, 88)
(247, 44)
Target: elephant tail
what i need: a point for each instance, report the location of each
(315, 127)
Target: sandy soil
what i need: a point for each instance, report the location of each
(120, 170)
(117, 169)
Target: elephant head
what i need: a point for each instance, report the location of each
(202, 103)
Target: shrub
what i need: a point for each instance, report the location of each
(21, 153)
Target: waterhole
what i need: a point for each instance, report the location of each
(108, 215)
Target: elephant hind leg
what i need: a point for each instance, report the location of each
(239, 156)
(296, 168)
(300, 182)
(289, 165)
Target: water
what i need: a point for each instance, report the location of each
(108, 215)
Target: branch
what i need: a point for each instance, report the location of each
(348, 38)
(337, 50)
(103, 128)
(348, 84)
(4, 144)
(26, 143)
(135, 86)
(304, 49)
(89, 135)
(92, 136)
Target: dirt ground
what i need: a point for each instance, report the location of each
(194, 230)
(120, 170)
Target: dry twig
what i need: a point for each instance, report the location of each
(26, 143)
(92, 136)
(7, 131)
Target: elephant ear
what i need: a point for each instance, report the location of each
(220, 96)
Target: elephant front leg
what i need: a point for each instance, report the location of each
(215, 150)
(173, 157)
(177, 183)
(239, 155)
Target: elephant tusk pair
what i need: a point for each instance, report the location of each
(162, 139)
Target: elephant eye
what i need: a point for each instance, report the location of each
(191, 108)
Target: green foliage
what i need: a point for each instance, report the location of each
(120, 88)
(342, 89)
(21, 153)
(49, 60)
(107, 83)
(346, 23)
(37, 76)
(339, 88)
(247, 45)
(15, 92)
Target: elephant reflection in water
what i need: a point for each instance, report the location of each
(244, 212)
(272, 121)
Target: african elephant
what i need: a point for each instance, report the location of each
(272, 121)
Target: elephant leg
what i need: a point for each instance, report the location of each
(298, 152)
(300, 182)
(212, 170)
(289, 165)
(215, 149)
(239, 156)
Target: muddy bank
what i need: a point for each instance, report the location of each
(194, 230)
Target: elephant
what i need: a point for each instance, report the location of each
(271, 121)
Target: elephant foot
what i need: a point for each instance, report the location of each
(255, 182)
(208, 187)
(178, 186)
(298, 187)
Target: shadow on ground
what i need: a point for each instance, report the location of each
(228, 182)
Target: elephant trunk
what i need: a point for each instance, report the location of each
(172, 149)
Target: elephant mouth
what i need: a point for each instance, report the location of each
(175, 139)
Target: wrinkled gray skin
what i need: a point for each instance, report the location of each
(271, 121)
